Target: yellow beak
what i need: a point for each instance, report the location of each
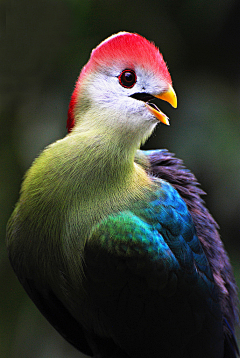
(170, 97)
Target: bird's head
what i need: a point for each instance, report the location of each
(117, 85)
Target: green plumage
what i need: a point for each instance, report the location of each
(64, 194)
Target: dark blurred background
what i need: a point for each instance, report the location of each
(44, 44)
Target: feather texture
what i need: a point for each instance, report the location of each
(161, 274)
(148, 277)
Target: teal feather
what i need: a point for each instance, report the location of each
(153, 260)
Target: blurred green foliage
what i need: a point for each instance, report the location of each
(44, 44)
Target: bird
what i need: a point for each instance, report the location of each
(114, 244)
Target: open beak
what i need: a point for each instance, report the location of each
(170, 97)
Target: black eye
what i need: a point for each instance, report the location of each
(127, 78)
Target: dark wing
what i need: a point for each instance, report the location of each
(58, 316)
(68, 327)
(164, 165)
(149, 284)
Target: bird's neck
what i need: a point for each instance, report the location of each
(106, 147)
(107, 164)
(105, 153)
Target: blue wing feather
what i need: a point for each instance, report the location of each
(151, 256)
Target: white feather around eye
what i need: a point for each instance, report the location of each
(104, 90)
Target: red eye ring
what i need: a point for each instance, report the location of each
(127, 78)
